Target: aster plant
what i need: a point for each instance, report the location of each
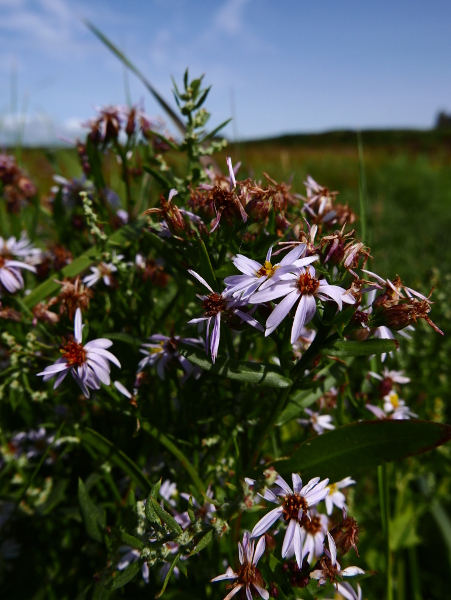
(249, 339)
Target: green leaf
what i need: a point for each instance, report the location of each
(175, 451)
(158, 176)
(124, 576)
(203, 543)
(362, 446)
(166, 517)
(115, 456)
(205, 268)
(126, 538)
(249, 372)
(343, 349)
(191, 514)
(151, 515)
(215, 130)
(93, 516)
(80, 264)
(168, 576)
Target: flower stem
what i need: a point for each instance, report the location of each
(384, 500)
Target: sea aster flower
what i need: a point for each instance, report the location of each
(348, 592)
(258, 277)
(10, 276)
(301, 285)
(393, 404)
(131, 555)
(102, 271)
(293, 505)
(388, 378)
(163, 350)
(214, 304)
(88, 364)
(319, 422)
(22, 249)
(248, 574)
(313, 532)
(330, 568)
(335, 496)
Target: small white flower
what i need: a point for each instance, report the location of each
(336, 497)
(293, 506)
(102, 271)
(393, 376)
(248, 576)
(319, 422)
(88, 364)
(10, 276)
(162, 350)
(131, 555)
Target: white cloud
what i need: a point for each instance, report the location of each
(229, 18)
(38, 130)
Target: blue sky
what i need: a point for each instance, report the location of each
(289, 66)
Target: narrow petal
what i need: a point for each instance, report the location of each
(234, 591)
(299, 318)
(293, 255)
(352, 571)
(215, 337)
(99, 343)
(279, 289)
(249, 320)
(259, 550)
(297, 483)
(199, 278)
(289, 534)
(332, 549)
(106, 354)
(78, 326)
(229, 574)
(265, 523)
(281, 311)
(298, 545)
(263, 593)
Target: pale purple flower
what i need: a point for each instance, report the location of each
(301, 285)
(214, 304)
(293, 506)
(392, 376)
(248, 576)
(130, 556)
(21, 249)
(88, 364)
(10, 276)
(331, 567)
(313, 532)
(163, 350)
(395, 405)
(319, 422)
(102, 271)
(336, 497)
(168, 491)
(348, 592)
(258, 276)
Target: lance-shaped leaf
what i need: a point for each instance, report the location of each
(115, 456)
(362, 446)
(151, 515)
(93, 516)
(123, 577)
(203, 543)
(343, 348)
(126, 538)
(166, 517)
(168, 576)
(262, 374)
(205, 268)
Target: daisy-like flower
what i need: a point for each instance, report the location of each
(88, 364)
(258, 277)
(301, 285)
(336, 497)
(248, 576)
(162, 350)
(388, 378)
(394, 404)
(22, 249)
(293, 506)
(214, 305)
(330, 567)
(313, 532)
(319, 422)
(102, 271)
(10, 276)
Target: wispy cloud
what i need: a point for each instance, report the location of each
(230, 17)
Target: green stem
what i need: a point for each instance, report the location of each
(414, 571)
(312, 351)
(384, 500)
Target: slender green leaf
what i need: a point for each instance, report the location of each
(343, 349)
(175, 451)
(158, 176)
(362, 446)
(151, 515)
(93, 517)
(80, 264)
(168, 576)
(115, 456)
(203, 543)
(262, 374)
(443, 521)
(216, 130)
(126, 538)
(166, 517)
(123, 577)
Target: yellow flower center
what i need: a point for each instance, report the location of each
(394, 399)
(157, 350)
(267, 270)
(332, 488)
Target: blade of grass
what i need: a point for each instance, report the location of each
(384, 500)
(362, 189)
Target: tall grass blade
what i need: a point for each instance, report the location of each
(362, 189)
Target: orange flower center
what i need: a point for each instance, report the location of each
(74, 353)
(292, 504)
(307, 284)
(213, 304)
